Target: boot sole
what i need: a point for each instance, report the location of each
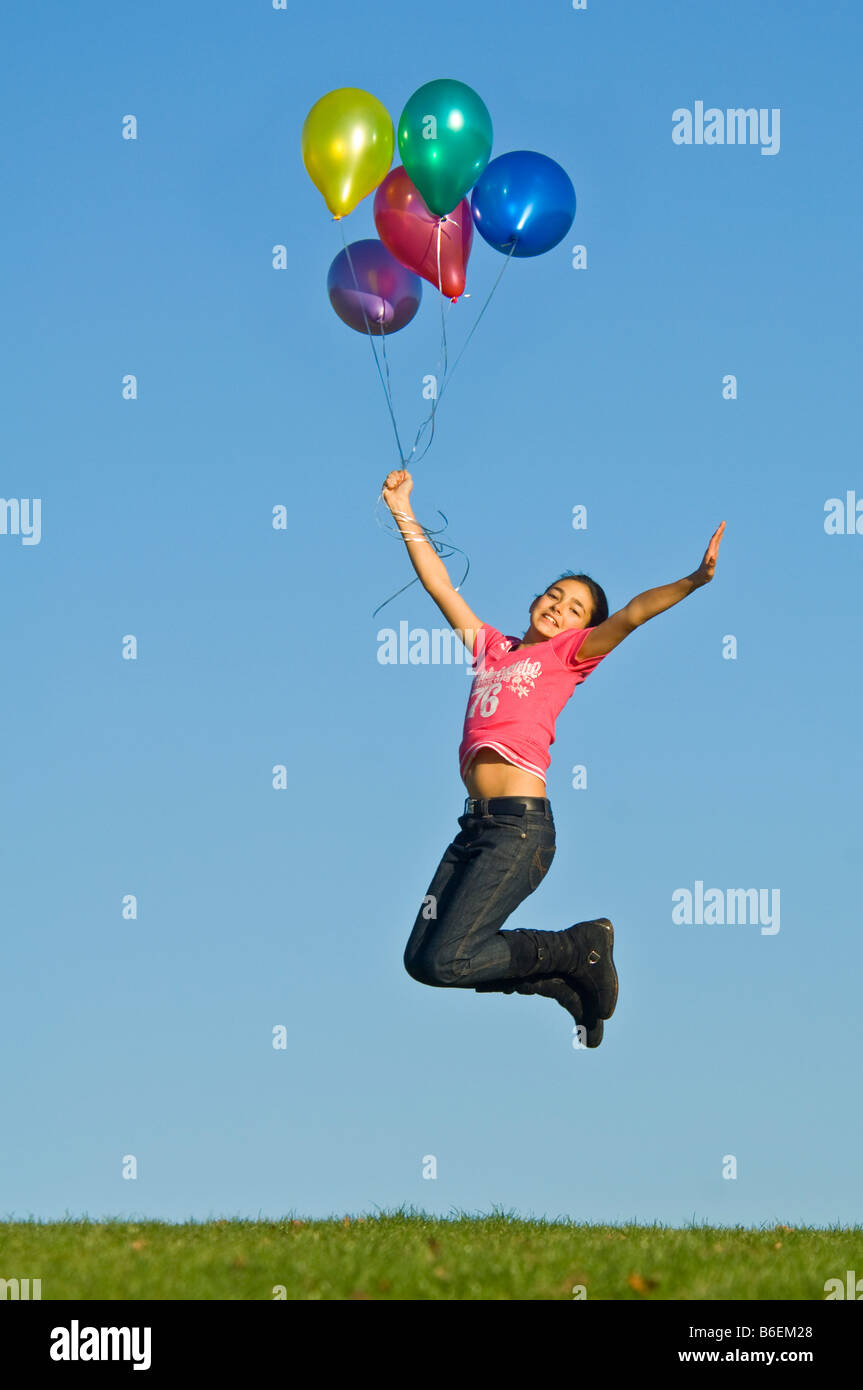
(584, 1018)
(593, 1032)
(606, 923)
(591, 1023)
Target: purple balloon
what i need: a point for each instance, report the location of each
(378, 295)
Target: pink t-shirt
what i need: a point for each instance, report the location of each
(516, 696)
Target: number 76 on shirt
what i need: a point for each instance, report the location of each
(488, 698)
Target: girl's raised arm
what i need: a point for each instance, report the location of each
(432, 572)
(608, 634)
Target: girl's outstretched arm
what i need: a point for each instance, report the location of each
(432, 571)
(608, 634)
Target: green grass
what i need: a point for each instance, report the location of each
(408, 1255)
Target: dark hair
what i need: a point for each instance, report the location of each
(600, 602)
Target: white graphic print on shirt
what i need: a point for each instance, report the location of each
(521, 677)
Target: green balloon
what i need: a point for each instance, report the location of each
(445, 137)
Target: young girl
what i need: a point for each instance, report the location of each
(507, 841)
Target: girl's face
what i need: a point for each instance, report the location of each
(566, 604)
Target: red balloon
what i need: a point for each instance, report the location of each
(410, 232)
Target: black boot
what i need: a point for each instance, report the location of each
(582, 955)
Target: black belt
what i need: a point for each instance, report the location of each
(505, 805)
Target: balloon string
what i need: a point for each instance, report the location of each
(447, 376)
(441, 363)
(442, 354)
(477, 320)
(447, 372)
(384, 383)
(443, 358)
(389, 385)
(440, 291)
(438, 546)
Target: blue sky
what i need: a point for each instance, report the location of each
(256, 647)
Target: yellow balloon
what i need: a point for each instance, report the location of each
(348, 143)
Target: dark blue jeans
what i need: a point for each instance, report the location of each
(493, 864)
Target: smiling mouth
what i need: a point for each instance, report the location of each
(547, 618)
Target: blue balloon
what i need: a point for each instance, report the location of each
(524, 201)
